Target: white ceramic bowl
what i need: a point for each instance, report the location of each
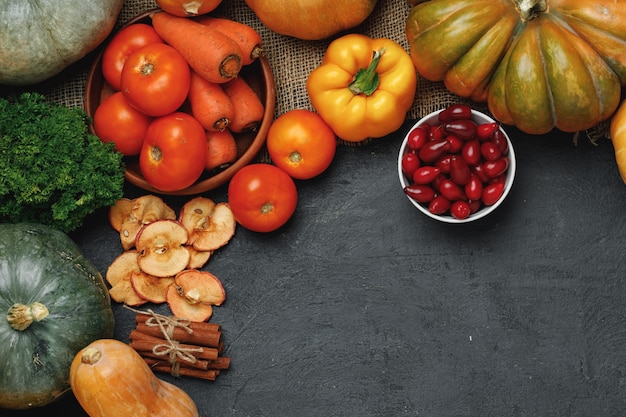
(479, 118)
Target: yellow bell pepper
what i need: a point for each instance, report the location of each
(364, 87)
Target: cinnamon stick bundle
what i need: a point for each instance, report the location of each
(182, 348)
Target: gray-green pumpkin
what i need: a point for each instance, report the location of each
(54, 302)
(40, 38)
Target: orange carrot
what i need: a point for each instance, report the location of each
(248, 39)
(221, 149)
(209, 103)
(213, 55)
(249, 109)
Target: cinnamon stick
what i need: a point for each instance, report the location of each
(200, 335)
(197, 364)
(222, 362)
(145, 342)
(161, 366)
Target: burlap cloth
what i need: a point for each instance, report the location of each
(291, 60)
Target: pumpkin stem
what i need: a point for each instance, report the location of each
(366, 80)
(20, 316)
(90, 355)
(529, 9)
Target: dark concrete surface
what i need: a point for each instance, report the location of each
(361, 306)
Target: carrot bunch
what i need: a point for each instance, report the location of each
(220, 99)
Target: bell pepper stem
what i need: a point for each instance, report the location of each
(366, 80)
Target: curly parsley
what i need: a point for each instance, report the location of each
(52, 170)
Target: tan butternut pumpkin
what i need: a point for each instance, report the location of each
(110, 379)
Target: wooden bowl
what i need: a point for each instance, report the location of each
(258, 75)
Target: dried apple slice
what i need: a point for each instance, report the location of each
(183, 309)
(210, 226)
(118, 276)
(128, 233)
(198, 258)
(149, 208)
(120, 213)
(123, 292)
(194, 212)
(122, 266)
(145, 209)
(161, 246)
(149, 287)
(200, 287)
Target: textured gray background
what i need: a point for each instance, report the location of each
(361, 306)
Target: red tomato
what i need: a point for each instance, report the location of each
(124, 43)
(174, 152)
(155, 79)
(117, 121)
(262, 197)
(301, 143)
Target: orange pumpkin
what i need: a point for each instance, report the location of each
(539, 64)
(186, 8)
(618, 138)
(110, 379)
(311, 19)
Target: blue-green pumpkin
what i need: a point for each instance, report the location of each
(54, 302)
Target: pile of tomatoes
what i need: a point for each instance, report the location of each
(263, 197)
(141, 114)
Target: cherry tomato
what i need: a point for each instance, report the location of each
(475, 205)
(439, 205)
(490, 151)
(460, 209)
(484, 130)
(432, 150)
(456, 144)
(418, 137)
(437, 133)
(301, 143)
(479, 171)
(425, 174)
(500, 140)
(262, 197)
(174, 150)
(495, 168)
(124, 43)
(451, 191)
(155, 79)
(492, 193)
(471, 152)
(410, 162)
(474, 188)
(459, 170)
(464, 128)
(443, 163)
(455, 111)
(117, 121)
(420, 193)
